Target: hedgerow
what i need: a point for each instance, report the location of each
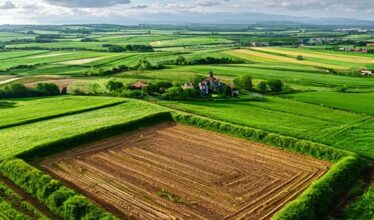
(61, 200)
(100, 133)
(317, 200)
(316, 150)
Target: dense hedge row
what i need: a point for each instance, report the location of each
(61, 200)
(316, 150)
(317, 200)
(71, 142)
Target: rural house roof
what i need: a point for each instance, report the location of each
(139, 85)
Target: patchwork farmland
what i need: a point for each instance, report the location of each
(109, 122)
(177, 171)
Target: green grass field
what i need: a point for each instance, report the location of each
(355, 102)
(189, 42)
(21, 138)
(20, 111)
(336, 128)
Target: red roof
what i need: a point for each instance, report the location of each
(139, 85)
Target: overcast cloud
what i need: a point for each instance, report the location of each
(7, 5)
(124, 11)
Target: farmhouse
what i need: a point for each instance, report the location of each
(211, 85)
(139, 85)
(367, 73)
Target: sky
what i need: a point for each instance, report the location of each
(177, 11)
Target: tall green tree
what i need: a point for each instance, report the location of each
(244, 82)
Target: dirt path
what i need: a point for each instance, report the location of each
(81, 61)
(10, 80)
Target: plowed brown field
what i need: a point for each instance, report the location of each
(200, 174)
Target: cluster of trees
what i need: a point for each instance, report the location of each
(105, 72)
(62, 201)
(124, 90)
(87, 39)
(181, 61)
(129, 47)
(144, 64)
(20, 90)
(47, 38)
(245, 82)
(127, 90)
(79, 31)
(273, 85)
(177, 92)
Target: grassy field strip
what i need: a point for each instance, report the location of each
(284, 117)
(332, 52)
(5, 64)
(358, 138)
(22, 111)
(81, 61)
(355, 102)
(189, 42)
(243, 53)
(295, 52)
(51, 55)
(21, 54)
(18, 139)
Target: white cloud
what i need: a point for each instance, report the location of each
(87, 3)
(123, 11)
(8, 5)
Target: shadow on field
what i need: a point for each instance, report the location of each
(6, 104)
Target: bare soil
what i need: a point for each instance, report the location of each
(81, 61)
(61, 83)
(207, 175)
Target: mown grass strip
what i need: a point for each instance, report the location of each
(62, 115)
(23, 139)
